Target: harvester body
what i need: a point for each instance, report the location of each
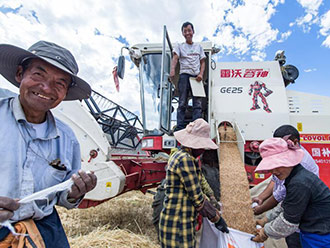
(250, 96)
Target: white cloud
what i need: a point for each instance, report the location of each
(325, 28)
(325, 24)
(306, 22)
(258, 56)
(311, 17)
(311, 8)
(13, 4)
(285, 36)
(326, 42)
(310, 70)
(259, 35)
(242, 32)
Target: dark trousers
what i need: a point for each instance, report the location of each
(52, 232)
(184, 90)
(293, 241)
(4, 231)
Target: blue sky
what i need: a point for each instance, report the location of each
(304, 50)
(250, 30)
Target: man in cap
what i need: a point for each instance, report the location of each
(38, 150)
(183, 193)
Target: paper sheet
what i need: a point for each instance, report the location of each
(197, 88)
(42, 194)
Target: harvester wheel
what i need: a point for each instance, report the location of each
(157, 204)
(211, 175)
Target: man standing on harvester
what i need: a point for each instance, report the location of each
(192, 64)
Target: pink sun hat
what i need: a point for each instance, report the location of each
(278, 152)
(196, 135)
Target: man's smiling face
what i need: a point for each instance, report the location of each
(42, 87)
(188, 33)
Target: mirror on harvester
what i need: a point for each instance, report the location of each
(289, 73)
(121, 67)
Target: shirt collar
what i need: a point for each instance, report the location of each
(187, 150)
(19, 115)
(294, 171)
(18, 110)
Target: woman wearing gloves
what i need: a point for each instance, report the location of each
(307, 202)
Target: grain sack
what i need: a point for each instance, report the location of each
(235, 195)
(211, 237)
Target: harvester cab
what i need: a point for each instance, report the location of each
(159, 96)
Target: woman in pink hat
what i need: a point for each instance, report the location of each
(306, 205)
(183, 194)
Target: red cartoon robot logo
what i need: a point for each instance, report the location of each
(256, 91)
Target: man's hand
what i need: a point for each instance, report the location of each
(262, 222)
(215, 203)
(267, 204)
(83, 183)
(172, 74)
(258, 210)
(257, 200)
(7, 208)
(209, 211)
(260, 237)
(174, 61)
(199, 78)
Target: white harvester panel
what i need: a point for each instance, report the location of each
(110, 178)
(309, 113)
(252, 94)
(110, 181)
(88, 132)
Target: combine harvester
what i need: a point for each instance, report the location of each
(251, 98)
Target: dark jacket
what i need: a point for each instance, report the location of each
(307, 201)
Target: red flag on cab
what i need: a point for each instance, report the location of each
(115, 78)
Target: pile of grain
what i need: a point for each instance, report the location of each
(124, 221)
(235, 195)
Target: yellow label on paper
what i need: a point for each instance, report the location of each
(259, 176)
(299, 126)
(108, 185)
